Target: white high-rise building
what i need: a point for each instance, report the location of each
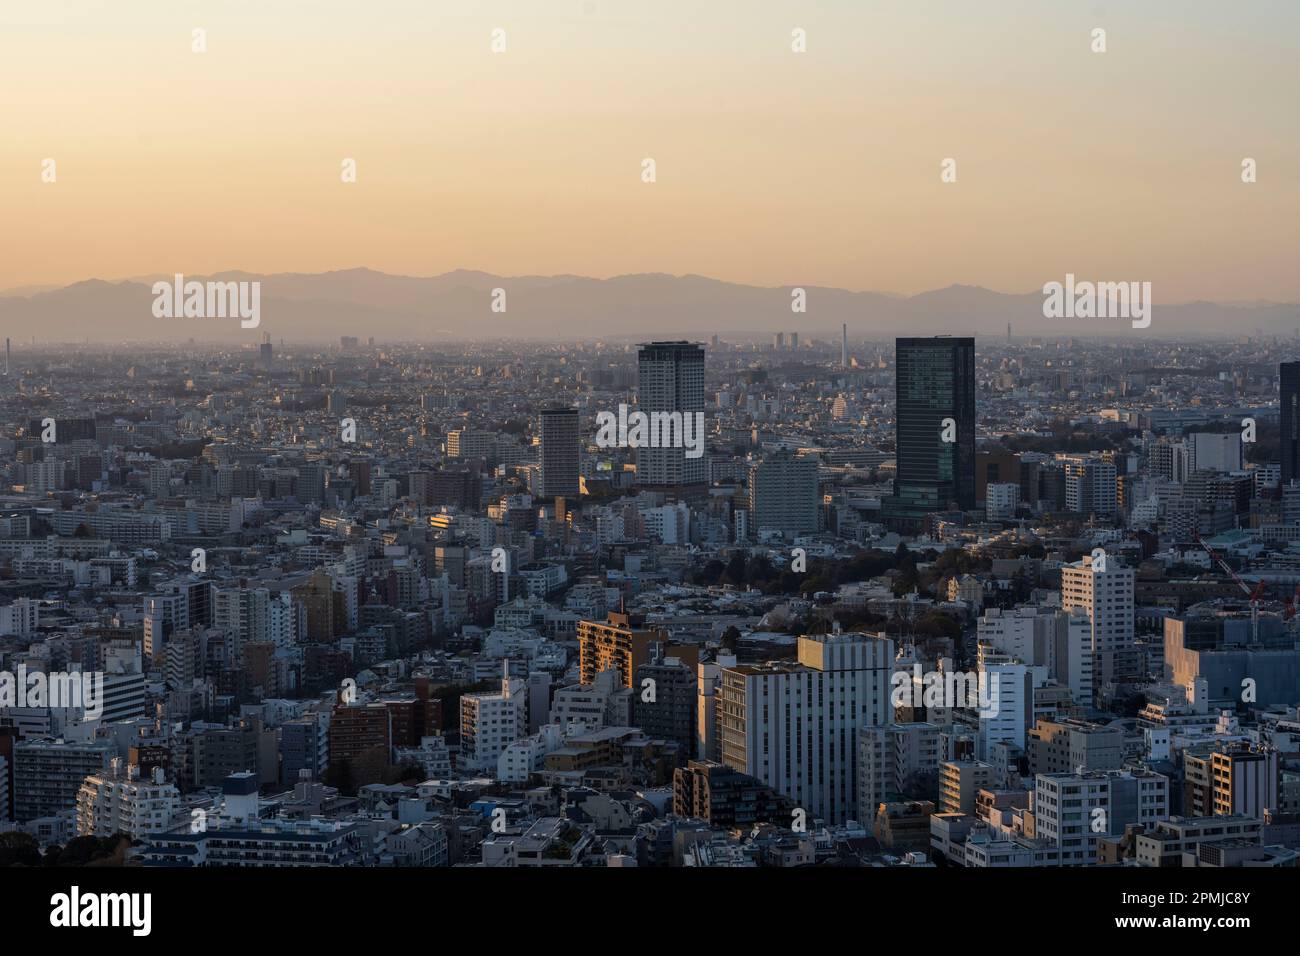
(1006, 709)
(491, 722)
(119, 801)
(795, 726)
(21, 618)
(1106, 597)
(243, 613)
(670, 378)
(286, 624)
(708, 676)
(668, 524)
(1059, 640)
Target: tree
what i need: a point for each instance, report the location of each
(93, 851)
(735, 573)
(19, 849)
(731, 639)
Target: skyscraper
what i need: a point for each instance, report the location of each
(935, 428)
(783, 495)
(670, 378)
(1106, 597)
(559, 431)
(1290, 443)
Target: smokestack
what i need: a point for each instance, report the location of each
(844, 345)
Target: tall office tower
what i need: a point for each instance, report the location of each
(935, 429)
(559, 452)
(670, 378)
(783, 495)
(1106, 597)
(778, 341)
(1090, 485)
(1290, 395)
(794, 726)
(844, 345)
(266, 354)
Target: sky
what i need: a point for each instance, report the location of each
(771, 167)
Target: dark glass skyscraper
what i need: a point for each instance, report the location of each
(1290, 421)
(670, 378)
(935, 380)
(560, 448)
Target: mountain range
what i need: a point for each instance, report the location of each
(320, 307)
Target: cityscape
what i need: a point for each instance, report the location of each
(838, 441)
(934, 602)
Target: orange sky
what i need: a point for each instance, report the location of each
(819, 168)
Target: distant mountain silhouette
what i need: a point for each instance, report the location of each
(302, 307)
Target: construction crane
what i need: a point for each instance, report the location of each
(1252, 596)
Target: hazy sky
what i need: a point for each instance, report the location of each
(820, 168)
